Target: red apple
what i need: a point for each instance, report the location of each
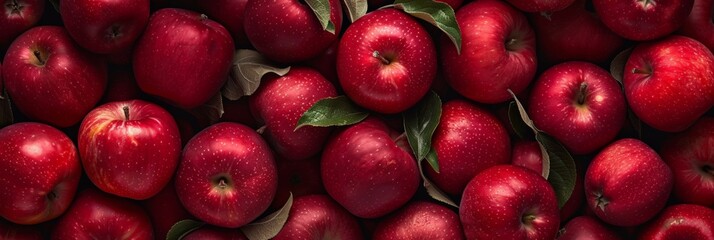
(97, 215)
(669, 83)
(121, 87)
(16, 16)
(540, 5)
(368, 169)
(298, 178)
(497, 52)
(683, 221)
(579, 104)
(699, 24)
(11, 231)
(281, 101)
(386, 61)
(326, 63)
(288, 30)
(105, 26)
(230, 14)
(165, 210)
(527, 154)
(509, 202)
(691, 156)
(421, 220)
(467, 141)
(209, 232)
(319, 217)
(39, 169)
(643, 20)
(627, 183)
(50, 79)
(585, 227)
(227, 175)
(183, 57)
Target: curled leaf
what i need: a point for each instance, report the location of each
(562, 167)
(420, 122)
(269, 226)
(617, 66)
(183, 228)
(248, 69)
(433, 191)
(336, 111)
(437, 13)
(355, 8)
(433, 160)
(321, 8)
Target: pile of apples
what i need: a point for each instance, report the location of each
(356, 119)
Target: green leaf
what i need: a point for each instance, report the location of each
(248, 69)
(321, 8)
(336, 111)
(433, 160)
(55, 4)
(269, 226)
(437, 13)
(420, 122)
(183, 228)
(562, 167)
(6, 116)
(355, 8)
(519, 127)
(617, 66)
(522, 112)
(433, 191)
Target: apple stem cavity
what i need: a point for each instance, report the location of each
(38, 55)
(126, 113)
(14, 7)
(527, 219)
(384, 60)
(511, 44)
(582, 93)
(708, 170)
(52, 196)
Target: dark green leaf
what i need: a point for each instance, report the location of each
(437, 13)
(617, 66)
(336, 111)
(355, 8)
(55, 4)
(248, 69)
(420, 122)
(269, 226)
(433, 160)
(517, 124)
(433, 191)
(562, 167)
(522, 111)
(6, 117)
(321, 8)
(183, 228)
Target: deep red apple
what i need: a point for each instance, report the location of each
(540, 5)
(280, 102)
(527, 154)
(386, 61)
(368, 169)
(585, 227)
(326, 63)
(121, 86)
(288, 30)
(165, 210)
(50, 79)
(691, 156)
(16, 16)
(467, 141)
(105, 26)
(509, 202)
(497, 52)
(183, 57)
(298, 178)
(319, 217)
(11, 231)
(97, 215)
(627, 183)
(230, 14)
(227, 175)
(669, 83)
(683, 221)
(699, 24)
(643, 20)
(209, 232)
(39, 169)
(421, 220)
(579, 104)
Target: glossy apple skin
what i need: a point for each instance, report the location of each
(165, 210)
(209, 232)
(642, 20)
(60, 91)
(279, 103)
(39, 169)
(230, 14)
(579, 104)
(182, 57)
(287, 30)
(540, 5)
(463, 131)
(527, 154)
(586, 227)
(105, 26)
(227, 175)
(298, 178)
(95, 214)
(683, 221)
(420, 220)
(699, 25)
(610, 178)
(319, 217)
(690, 155)
(488, 66)
(377, 85)
(496, 201)
(676, 85)
(367, 171)
(16, 16)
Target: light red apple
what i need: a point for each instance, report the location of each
(643, 20)
(319, 217)
(16, 16)
(420, 220)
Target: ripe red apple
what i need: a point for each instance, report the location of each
(669, 83)
(11, 231)
(50, 79)
(121, 86)
(643, 20)
(586, 227)
(467, 141)
(183, 57)
(39, 169)
(209, 232)
(699, 24)
(97, 215)
(690, 155)
(230, 14)
(319, 217)
(298, 178)
(288, 30)
(421, 220)
(368, 169)
(386, 61)
(579, 104)
(227, 175)
(527, 154)
(683, 221)
(165, 210)
(497, 52)
(105, 26)
(627, 183)
(326, 63)
(540, 5)
(509, 202)
(281, 101)
(16, 16)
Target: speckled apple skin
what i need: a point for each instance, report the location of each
(15, 23)
(698, 24)
(643, 20)
(586, 227)
(682, 221)
(319, 217)
(420, 220)
(527, 154)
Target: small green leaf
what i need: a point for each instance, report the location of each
(6, 116)
(562, 167)
(437, 13)
(433, 160)
(433, 191)
(420, 122)
(248, 69)
(355, 8)
(617, 66)
(519, 127)
(183, 228)
(524, 115)
(321, 8)
(336, 111)
(269, 226)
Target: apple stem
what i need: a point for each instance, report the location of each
(126, 113)
(52, 196)
(261, 129)
(380, 57)
(582, 93)
(640, 71)
(38, 55)
(708, 169)
(527, 219)
(204, 17)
